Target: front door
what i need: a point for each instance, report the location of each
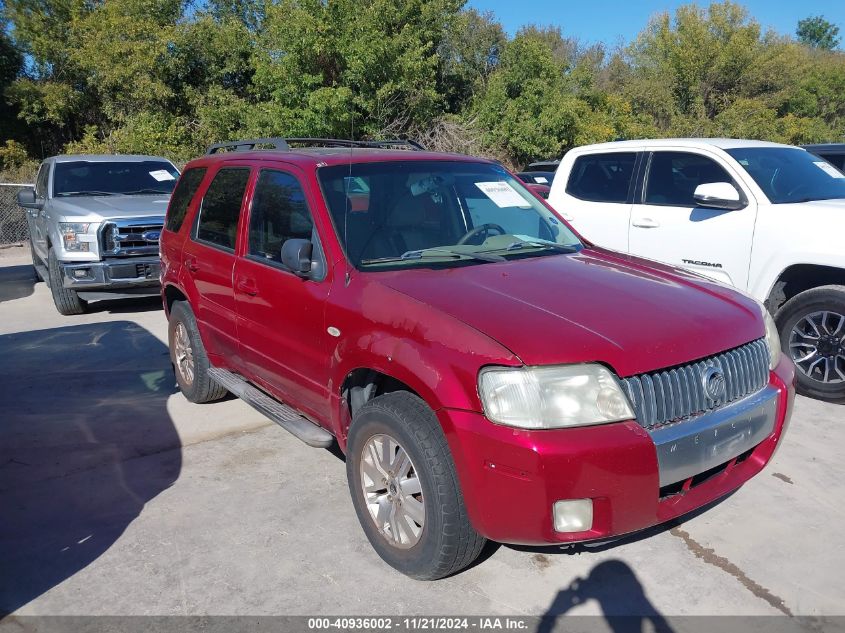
(667, 224)
(208, 261)
(281, 319)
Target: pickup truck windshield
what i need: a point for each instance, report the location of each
(438, 213)
(789, 174)
(105, 178)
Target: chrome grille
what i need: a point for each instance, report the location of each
(676, 394)
(124, 238)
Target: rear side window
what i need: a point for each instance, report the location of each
(181, 198)
(673, 177)
(279, 213)
(221, 207)
(602, 177)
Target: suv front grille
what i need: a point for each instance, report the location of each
(123, 238)
(673, 395)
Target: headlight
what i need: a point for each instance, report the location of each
(74, 236)
(552, 397)
(772, 338)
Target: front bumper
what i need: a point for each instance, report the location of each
(511, 477)
(111, 274)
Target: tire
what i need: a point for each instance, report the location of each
(190, 364)
(819, 360)
(67, 301)
(444, 542)
(36, 261)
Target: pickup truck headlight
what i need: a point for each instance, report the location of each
(772, 338)
(552, 397)
(74, 236)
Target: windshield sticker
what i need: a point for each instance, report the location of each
(161, 175)
(829, 169)
(502, 194)
(540, 180)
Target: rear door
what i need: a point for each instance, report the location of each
(281, 321)
(597, 195)
(667, 224)
(208, 261)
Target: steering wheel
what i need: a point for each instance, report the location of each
(484, 228)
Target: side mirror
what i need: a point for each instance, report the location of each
(27, 199)
(296, 255)
(718, 195)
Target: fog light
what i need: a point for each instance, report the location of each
(80, 273)
(575, 515)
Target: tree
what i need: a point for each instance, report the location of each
(817, 32)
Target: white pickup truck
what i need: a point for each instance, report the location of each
(766, 218)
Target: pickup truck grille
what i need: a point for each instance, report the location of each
(125, 238)
(673, 395)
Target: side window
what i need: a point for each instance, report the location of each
(221, 207)
(602, 177)
(673, 177)
(279, 213)
(41, 181)
(181, 198)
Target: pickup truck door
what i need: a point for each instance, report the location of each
(281, 320)
(37, 218)
(668, 226)
(597, 195)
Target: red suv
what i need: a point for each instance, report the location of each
(488, 373)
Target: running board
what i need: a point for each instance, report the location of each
(283, 415)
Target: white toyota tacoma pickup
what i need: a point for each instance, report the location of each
(766, 218)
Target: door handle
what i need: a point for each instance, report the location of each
(191, 264)
(645, 223)
(247, 286)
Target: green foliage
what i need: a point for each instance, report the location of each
(171, 77)
(818, 33)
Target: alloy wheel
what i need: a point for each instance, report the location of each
(392, 491)
(184, 353)
(817, 346)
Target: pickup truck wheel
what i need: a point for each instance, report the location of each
(190, 362)
(67, 301)
(812, 333)
(405, 489)
(35, 261)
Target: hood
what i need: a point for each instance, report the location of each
(594, 306)
(99, 208)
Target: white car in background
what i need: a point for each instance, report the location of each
(764, 217)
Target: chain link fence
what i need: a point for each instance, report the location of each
(13, 225)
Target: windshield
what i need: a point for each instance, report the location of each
(789, 174)
(107, 178)
(427, 213)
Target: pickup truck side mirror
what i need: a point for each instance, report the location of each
(27, 199)
(719, 195)
(296, 255)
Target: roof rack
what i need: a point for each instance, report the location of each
(283, 144)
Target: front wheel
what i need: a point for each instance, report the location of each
(67, 301)
(405, 489)
(812, 333)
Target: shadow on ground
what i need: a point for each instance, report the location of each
(623, 602)
(81, 406)
(16, 282)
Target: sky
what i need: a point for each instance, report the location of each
(615, 21)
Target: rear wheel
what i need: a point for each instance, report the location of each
(405, 489)
(812, 332)
(67, 301)
(190, 362)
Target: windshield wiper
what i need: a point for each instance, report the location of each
(435, 253)
(143, 191)
(561, 248)
(87, 193)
